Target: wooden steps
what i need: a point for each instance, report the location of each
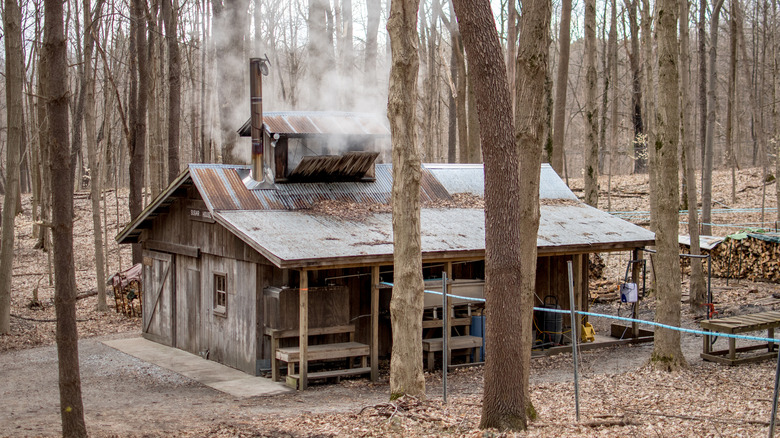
(292, 379)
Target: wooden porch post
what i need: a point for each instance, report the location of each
(374, 323)
(450, 314)
(636, 254)
(580, 273)
(303, 330)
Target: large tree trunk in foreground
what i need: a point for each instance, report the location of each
(697, 294)
(406, 305)
(591, 110)
(667, 353)
(561, 87)
(14, 79)
(55, 51)
(511, 199)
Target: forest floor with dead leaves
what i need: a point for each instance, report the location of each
(619, 394)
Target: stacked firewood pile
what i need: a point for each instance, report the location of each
(756, 258)
(128, 292)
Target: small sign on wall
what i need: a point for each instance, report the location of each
(147, 261)
(201, 215)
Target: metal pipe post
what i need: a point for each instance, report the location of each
(774, 399)
(574, 342)
(445, 314)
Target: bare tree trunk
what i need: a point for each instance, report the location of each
(406, 305)
(347, 51)
(452, 125)
(373, 13)
(170, 17)
(706, 173)
(613, 73)
(475, 147)
(55, 51)
(731, 159)
(317, 49)
(649, 93)
(511, 198)
(561, 87)
(511, 45)
(461, 96)
(755, 101)
(14, 77)
(605, 73)
(667, 353)
(640, 151)
(701, 27)
(591, 110)
(95, 167)
(230, 22)
(139, 80)
(775, 112)
(155, 160)
(697, 293)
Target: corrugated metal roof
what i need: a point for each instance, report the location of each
(301, 123)
(276, 223)
(294, 238)
(470, 178)
(222, 188)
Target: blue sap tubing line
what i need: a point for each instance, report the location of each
(622, 318)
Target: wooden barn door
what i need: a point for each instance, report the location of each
(187, 307)
(159, 298)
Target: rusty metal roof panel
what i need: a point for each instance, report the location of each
(222, 188)
(211, 183)
(470, 178)
(303, 123)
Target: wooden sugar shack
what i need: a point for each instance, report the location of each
(286, 262)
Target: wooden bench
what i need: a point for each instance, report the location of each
(434, 345)
(340, 350)
(460, 342)
(740, 324)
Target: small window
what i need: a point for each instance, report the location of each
(220, 293)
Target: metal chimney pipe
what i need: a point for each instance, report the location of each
(256, 95)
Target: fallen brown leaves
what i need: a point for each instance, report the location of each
(33, 325)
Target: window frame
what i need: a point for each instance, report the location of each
(220, 309)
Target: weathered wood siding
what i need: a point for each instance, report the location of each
(197, 248)
(187, 224)
(230, 338)
(188, 304)
(552, 278)
(158, 310)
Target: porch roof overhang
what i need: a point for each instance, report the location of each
(300, 239)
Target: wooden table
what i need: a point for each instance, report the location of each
(741, 324)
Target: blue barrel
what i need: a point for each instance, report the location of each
(478, 329)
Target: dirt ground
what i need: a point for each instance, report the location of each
(619, 395)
